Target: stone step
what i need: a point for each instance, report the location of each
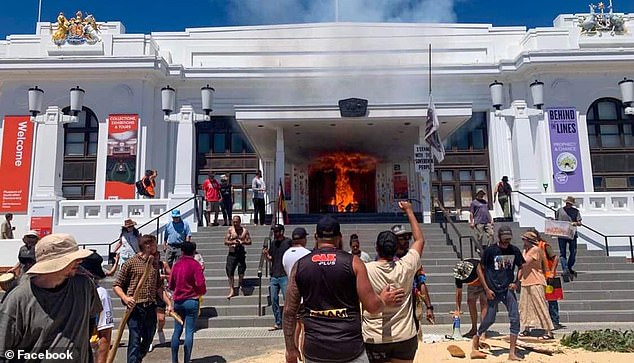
(569, 295)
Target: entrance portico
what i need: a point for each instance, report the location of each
(290, 140)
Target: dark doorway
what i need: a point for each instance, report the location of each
(323, 189)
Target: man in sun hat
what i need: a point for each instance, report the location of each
(61, 304)
(480, 219)
(176, 232)
(570, 214)
(26, 255)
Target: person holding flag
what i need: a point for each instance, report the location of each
(282, 214)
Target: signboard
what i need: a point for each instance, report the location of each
(121, 159)
(42, 220)
(559, 228)
(15, 166)
(423, 160)
(399, 182)
(565, 150)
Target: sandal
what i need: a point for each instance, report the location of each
(525, 333)
(275, 328)
(547, 337)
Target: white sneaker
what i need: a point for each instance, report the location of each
(151, 347)
(161, 336)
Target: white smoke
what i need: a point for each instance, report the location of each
(252, 12)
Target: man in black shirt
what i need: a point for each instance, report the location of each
(498, 277)
(226, 198)
(279, 280)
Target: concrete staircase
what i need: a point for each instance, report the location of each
(604, 290)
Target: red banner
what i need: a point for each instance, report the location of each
(121, 160)
(15, 166)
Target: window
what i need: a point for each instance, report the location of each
(80, 155)
(611, 142)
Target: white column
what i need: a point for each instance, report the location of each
(425, 182)
(525, 165)
(279, 167)
(185, 157)
(48, 159)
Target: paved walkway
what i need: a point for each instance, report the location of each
(230, 344)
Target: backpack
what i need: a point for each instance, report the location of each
(140, 188)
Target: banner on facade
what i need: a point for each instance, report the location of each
(565, 150)
(423, 160)
(399, 182)
(42, 220)
(121, 159)
(15, 165)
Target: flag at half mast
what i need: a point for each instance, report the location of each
(432, 136)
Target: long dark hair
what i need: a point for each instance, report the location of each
(135, 231)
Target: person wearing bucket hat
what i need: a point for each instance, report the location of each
(497, 275)
(466, 272)
(128, 244)
(26, 254)
(480, 219)
(176, 232)
(226, 199)
(568, 213)
(102, 335)
(54, 295)
(502, 193)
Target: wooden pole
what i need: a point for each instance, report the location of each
(115, 345)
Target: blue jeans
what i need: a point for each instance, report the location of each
(277, 284)
(188, 310)
(553, 310)
(141, 328)
(510, 301)
(566, 264)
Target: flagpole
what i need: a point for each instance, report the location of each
(336, 11)
(430, 69)
(39, 12)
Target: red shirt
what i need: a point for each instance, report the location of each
(212, 190)
(187, 280)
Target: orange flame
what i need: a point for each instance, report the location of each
(343, 164)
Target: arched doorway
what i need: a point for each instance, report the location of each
(80, 155)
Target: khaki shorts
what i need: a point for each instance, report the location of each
(475, 292)
(213, 206)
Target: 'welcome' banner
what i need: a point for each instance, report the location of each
(121, 160)
(15, 166)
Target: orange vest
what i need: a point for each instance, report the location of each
(549, 262)
(150, 188)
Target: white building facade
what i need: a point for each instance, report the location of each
(276, 108)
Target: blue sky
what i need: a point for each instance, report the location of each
(145, 16)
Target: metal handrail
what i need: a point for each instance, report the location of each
(449, 240)
(157, 218)
(606, 237)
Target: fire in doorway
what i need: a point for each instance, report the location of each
(347, 168)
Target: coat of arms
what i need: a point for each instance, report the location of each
(76, 30)
(597, 23)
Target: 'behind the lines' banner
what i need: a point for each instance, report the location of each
(121, 160)
(565, 151)
(15, 166)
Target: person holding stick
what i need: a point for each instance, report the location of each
(139, 295)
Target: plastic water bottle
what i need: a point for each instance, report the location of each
(456, 328)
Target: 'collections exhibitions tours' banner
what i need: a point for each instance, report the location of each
(121, 160)
(15, 166)
(564, 147)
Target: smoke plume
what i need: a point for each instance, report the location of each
(254, 12)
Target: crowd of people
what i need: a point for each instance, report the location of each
(339, 305)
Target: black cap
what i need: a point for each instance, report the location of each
(328, 227)
(277, 227)
(505, 178)
(299, 233)
(92, 264)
